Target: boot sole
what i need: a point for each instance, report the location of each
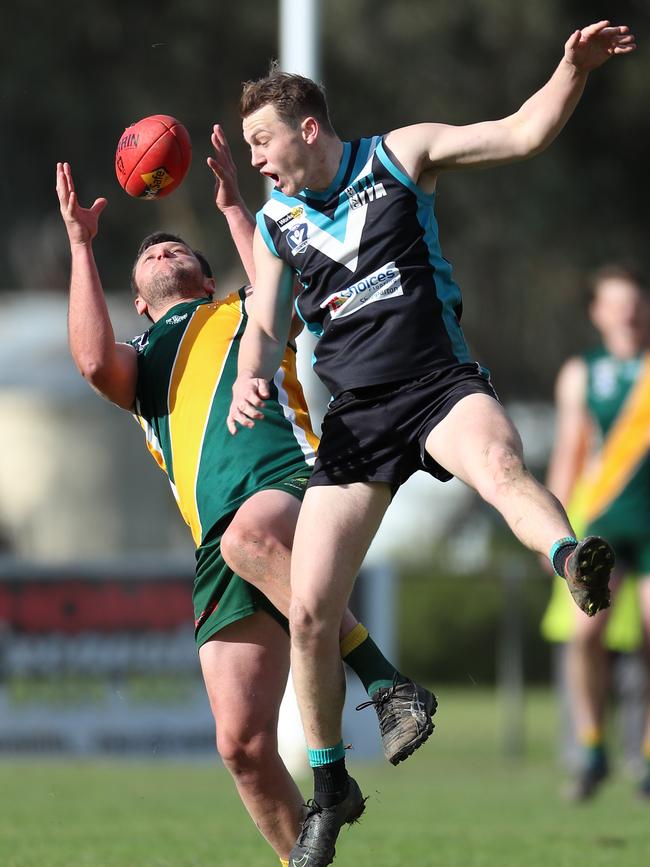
(595, 562)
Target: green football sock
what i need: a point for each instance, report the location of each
(367, 661)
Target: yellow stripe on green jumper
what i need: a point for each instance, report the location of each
(151, 441)
(292, 400)
(625, 447)
(195, 378)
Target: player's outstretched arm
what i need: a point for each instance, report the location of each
(229, 201)
(433, 147)
(269, 311)
(109, 367)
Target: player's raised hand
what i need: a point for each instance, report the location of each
(81, 223)
(226, 187)
(248, 395)
(590, 47)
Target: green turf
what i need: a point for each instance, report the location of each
(456, 803)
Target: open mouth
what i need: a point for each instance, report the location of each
(272, 177)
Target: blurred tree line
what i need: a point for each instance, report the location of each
(522, 238)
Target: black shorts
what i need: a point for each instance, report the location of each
(377, 433)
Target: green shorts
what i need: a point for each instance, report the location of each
(220, 597)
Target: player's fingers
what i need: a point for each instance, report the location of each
(223, 142)
(573, 40)
(252, 391)
(98, 206)
(591, 29)
(214, 165)
(262, 387)
(250, 411)
(250, 404)
(67, 171)
(616, 34)
(61, 185)
(239, 418)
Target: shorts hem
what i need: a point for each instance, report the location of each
(455, 397)
(327, 483)
(220, 624)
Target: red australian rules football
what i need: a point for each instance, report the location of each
(153, 156)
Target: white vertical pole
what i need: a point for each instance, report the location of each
(300, 53)
(300, 37)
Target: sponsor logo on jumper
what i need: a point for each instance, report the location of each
(363, 191)
(385, 282)
(297, 238)
(175, 319)
(293, 214)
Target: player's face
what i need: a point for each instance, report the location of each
(278, 151)
(620, 306)
(167, 270)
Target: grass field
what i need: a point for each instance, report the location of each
(457, 803)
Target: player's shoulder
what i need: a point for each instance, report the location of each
(140, 341)
(571, 380)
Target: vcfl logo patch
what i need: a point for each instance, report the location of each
(297, 238)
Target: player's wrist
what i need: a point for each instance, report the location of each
(247, 374)
(573, 67)
(81, 244)
(234, 209)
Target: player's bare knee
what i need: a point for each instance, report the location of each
(243, 754)
(308, 624)
(247, 550)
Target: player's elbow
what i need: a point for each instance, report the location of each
(91, 367)
(106, 382)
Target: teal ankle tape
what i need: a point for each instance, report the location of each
(555, 547)
(326, 756)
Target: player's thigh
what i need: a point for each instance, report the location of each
(474, 438)
(335, 528)
(245, 667)
(270, 513)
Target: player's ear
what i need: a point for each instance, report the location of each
(310, 128)
(141, 306)
(209, 284)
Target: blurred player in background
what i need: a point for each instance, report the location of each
(601, 456)
(355, 222)
(240, 497)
